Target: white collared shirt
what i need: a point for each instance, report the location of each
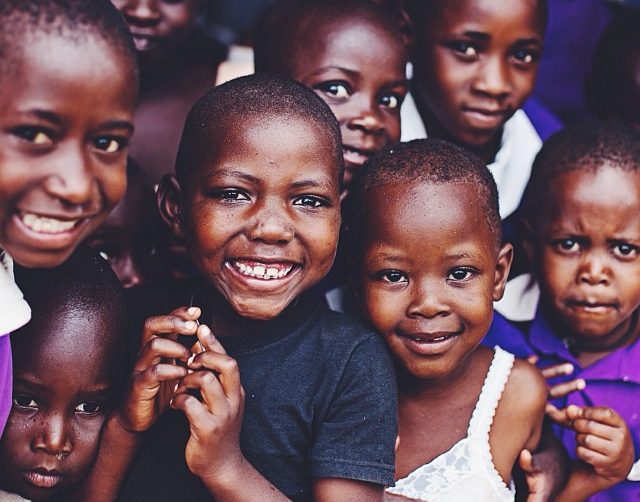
(14, 311)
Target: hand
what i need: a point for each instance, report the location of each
(213, 450)
(560, 389)
(603, 440)
(539, 479)
(156, 373)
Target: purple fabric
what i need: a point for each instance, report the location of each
(544, 122)
(613, 381)
(6, 385)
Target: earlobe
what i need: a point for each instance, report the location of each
(503, 266)
(168, 200)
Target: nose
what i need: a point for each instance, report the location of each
(72, 179)
(428, 300)
(53, 437)
(271, 225)
(366, 116)
(594, 269)
(128, 272)
(141, 12)
(493, 78)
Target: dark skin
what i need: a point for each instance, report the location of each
(475, 65)
(61, 399)
(363, 84)
(432, 301)
(586, 245)
(163, 32)
(288, 222)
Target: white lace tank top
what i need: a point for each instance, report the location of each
(466, 471)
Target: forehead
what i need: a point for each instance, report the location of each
(339, 42)
(54, 69)
(608, 194)
(523, 18)
(425, 215)
(276, 146)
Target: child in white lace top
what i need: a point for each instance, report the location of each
(426, 238)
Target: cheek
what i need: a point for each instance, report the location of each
(113, 184)
(383, 309)
(523, 84)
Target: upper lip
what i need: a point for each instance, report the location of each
(591, 302)
(361, 150)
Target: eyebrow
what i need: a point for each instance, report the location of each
(459, 256)
(352, 73)
(484, 37)
(233, 174)
(54, 118)
(310, 183)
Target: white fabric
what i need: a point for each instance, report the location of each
(466, 471)
(511, 168)
(11, 497)
(520, 300)
(14, 311)
(634, 474)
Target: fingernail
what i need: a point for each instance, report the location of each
(190, 324)
(581, 384)
(568, 369)
(192, 310)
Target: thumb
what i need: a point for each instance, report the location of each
(527, 462)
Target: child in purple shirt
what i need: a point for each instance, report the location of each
(581, 229)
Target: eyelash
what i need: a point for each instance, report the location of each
(229, 195)
(316, 202)
(571, 246)
(386, 276)
(333, 88)
(469, 272)
(32, 133)
(119, 143)
(33, 405)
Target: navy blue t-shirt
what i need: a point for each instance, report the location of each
(320, 402)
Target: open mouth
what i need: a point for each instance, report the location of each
(429, 344)
(47, 224)
(42, 478)
(145, 42)
(356, 155)
(262, 271)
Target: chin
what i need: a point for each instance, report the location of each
(259, 309)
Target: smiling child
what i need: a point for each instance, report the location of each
(579, 311)
(68, 366)
(425, 234)
(353, 55)
(68, 79)
(291, 394)
(475, 63)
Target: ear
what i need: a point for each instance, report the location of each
(503, 265)
(168, 199)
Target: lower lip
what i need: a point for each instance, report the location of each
(484, 120)
(430, 348)
(354, 158)
(262, 285)
(59, 240)
(42, 480)
(144, 43)
(593, 310)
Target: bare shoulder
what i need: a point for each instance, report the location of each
(526, 390)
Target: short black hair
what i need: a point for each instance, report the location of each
(586, 147)
(72, 19)
(228, 106)
(85, 281)
(423, 161)
(611, 76)
(282, 28)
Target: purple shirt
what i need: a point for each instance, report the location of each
(5, 380)
(613, 381)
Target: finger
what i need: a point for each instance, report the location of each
(208, 340)
(158, 348)
(533, 359)
(598, 444)
(197, 414)
(557, 370)
(592, 457)
(210, 389)
(225, 366)
(605, 431)
(604, 415)
(179, 322)
(557, 415)
(562, 389)
(526, 462)
(152, 376)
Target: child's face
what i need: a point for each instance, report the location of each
(158, 26)
(132, 241)
(65, 119)
(363, 83)
(587, 252)
(430, 273)
(60, 397)
(262, 220)
(476, 64)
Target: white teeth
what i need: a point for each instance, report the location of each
(262, 271)
(47, 225)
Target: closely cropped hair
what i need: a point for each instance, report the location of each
(73, 19)
(586, 147)
(424, 161)
(83, 284)
(282, 28)
(227, 107)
